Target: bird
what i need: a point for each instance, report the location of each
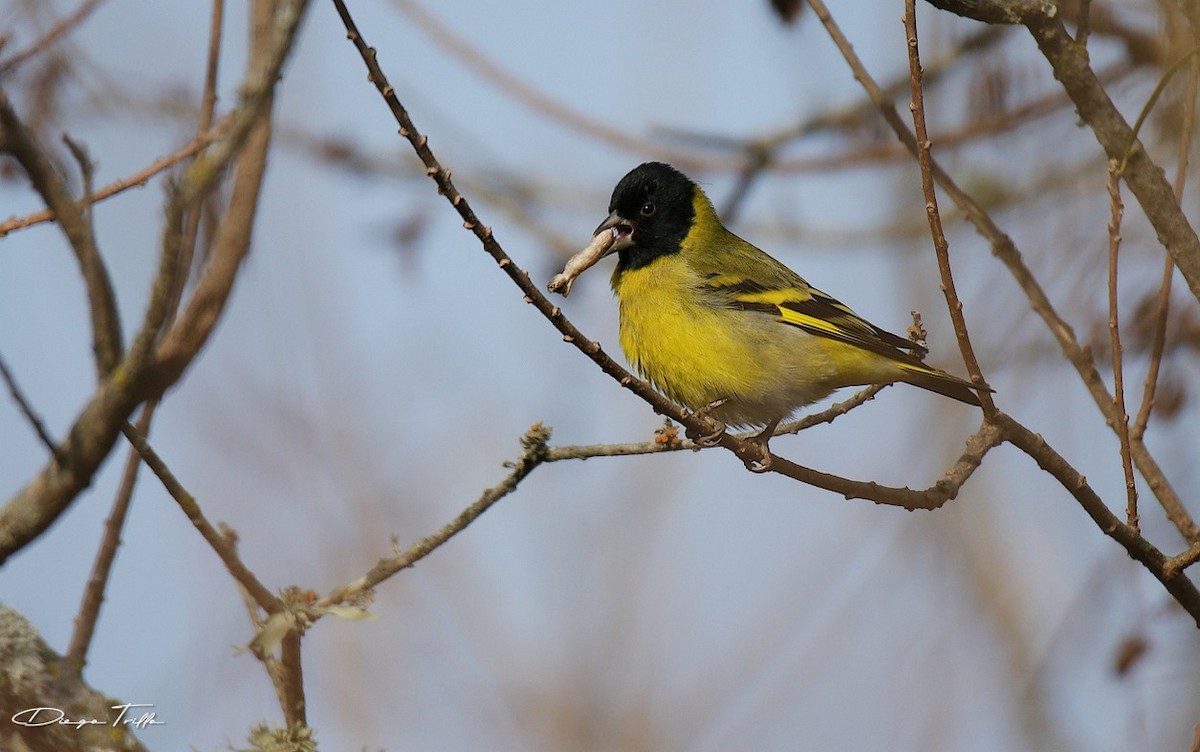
(721, 327)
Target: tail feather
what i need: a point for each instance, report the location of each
(943, 383)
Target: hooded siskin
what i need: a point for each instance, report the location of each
(706, 316)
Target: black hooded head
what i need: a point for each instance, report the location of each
(652, 210)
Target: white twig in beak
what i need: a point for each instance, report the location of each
(580, 262)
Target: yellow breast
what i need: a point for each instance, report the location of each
(694, 353)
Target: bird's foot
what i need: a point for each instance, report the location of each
(711, 439)
(763, 439)
(763, 464)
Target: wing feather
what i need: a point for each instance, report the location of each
(801, 305)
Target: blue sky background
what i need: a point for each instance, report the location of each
(353, 391)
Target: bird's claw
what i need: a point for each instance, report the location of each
(710, 439)
(763, 463)
(763, 439)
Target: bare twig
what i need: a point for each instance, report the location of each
(295, 708)
(18, 141)
(272, 41)
(1159, 337)
(27, 410)
(876, 152)
(106, 552)
(87, 170)
(265, 599)
(254, 613)
(1178, 585)
(940, 245)
(1083, 25)
(1176, 564)
(548, 106)
(56, 32)
(1114, 330)
(533, 453)
(138, 178)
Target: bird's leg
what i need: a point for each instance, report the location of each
(763, 438)
(712, 439)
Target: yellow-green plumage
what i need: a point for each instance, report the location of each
(706, 316)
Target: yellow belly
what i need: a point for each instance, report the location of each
(697, 354)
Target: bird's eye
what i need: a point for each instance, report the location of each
(648, 208)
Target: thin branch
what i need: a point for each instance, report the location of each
(1114, 331)
(27, 410)
(139, 178)
(940, 245)
(56, 32)
(87, 171)
(759, 159)
(228, 554)
(672, 443)
(1083, 25)
(255, 615)
(1158, 343)
(295, 707)
(1176, 564)
(533, 453)
(106, 552)
(539, 102)
(18, 141)
(1178, 585)
(1159, 337)
(272, 41)
(833, 412)
(977, 445)
(877, 152)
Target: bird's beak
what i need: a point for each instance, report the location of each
(622, 232)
